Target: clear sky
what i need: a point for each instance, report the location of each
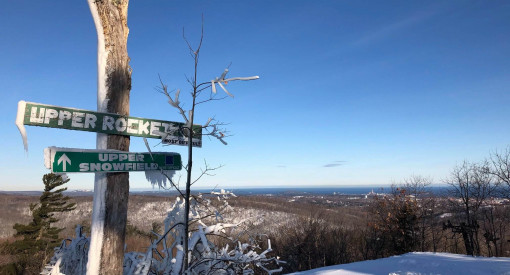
(350, 92)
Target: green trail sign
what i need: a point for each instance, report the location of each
(36, 114)
(67, 160)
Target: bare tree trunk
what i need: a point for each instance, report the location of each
(111, 190)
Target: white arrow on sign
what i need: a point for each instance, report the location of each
(64, 159)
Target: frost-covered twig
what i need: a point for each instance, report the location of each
(173, 102)
(215, 131)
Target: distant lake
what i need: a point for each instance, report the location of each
(438, 190)
(295, 191)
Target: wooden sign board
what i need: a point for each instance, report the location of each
(69, 160)
(113, 124)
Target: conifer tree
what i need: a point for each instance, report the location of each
(37, 239)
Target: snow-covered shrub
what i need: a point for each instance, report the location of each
(215, 247)
(70, 257)
(166, 255)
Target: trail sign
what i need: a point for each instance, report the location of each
(68, 160)
(37, 114)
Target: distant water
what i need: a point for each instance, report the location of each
(295, 191)
(438, 190)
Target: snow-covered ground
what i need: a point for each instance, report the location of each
(420, 263)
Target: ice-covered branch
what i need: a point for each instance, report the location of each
(222, 79)
(214, 130)
(175, 101)
(71, 256)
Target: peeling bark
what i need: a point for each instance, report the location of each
(115, 73)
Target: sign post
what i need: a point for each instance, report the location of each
(114, 127)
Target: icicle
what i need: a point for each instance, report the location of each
(219, 83)
(19, 122)
(242, 78)
(158, 177)
(48, 151)
(148, 147)
(177, 97)
(213, 87)
(222, 77)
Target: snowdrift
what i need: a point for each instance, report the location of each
(420, 263)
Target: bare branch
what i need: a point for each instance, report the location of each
(201, 37)
(205, 171)
(189, 45)
(211, 98)
(499, 167)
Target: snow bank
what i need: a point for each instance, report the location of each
(417, 263)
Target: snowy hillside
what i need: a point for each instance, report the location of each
(420, 263)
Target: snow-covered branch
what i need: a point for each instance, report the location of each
(175, 101)
(222, 80)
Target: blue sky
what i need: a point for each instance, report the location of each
(350, 92)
